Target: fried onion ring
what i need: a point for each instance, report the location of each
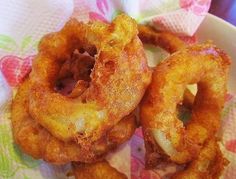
(209, 164)
(118, 80)
(99, 170)
(169, 42)
(36, 141)
(166, 40)
(164, 133)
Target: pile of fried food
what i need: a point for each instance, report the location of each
(78, 102)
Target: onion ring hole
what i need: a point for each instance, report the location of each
(77, 68)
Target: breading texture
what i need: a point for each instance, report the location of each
(164, 133)
(99, 170)
(166, 40)
(36, 141)
(209, 164)
(118, 80)
(169, 42)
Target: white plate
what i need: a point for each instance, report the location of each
(223, 35)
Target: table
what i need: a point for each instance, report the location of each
(225, 9)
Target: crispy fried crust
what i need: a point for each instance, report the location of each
(36, 141)
(205, 65)
(209, 164)
(99, 170)
(169, 42)
(166, 40)
(118, 80)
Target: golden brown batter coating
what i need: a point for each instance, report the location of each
(36, 141)
(166, 40)
(205, 65)
(209, 164)
(118, 80)
(99, 170)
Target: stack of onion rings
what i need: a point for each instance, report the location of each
(58, 126)
(85, 123)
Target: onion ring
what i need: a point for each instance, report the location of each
(36, 141)
(111, 95)
(99, 170)
(203, 64)
(169, 42)
(166, 40)
(210, 163)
